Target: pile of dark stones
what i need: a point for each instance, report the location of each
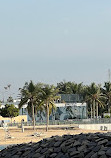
(91, 145)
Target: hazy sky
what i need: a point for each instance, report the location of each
(52, 40)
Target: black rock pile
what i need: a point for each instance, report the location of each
(89, 145)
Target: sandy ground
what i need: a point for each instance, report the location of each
(19, 137)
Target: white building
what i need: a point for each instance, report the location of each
(63, 111)
(70, 111)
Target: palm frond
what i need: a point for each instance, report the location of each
(22, 102)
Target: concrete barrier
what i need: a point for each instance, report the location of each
(103, 127)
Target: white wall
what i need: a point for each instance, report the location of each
(95, 126)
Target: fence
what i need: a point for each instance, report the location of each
(59, 122)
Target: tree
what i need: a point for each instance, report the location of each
(70, 88)
(94, 98)
(30, 95)
(10, 99)
(48, 100)
(9, 111)
(107, 92)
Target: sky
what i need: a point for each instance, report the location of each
(54, 40)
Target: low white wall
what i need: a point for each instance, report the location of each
(95, 126)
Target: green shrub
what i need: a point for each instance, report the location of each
(107, 116)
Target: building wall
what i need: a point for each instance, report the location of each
(71, 98)
(96, 126)
(65, 111)
(70, 111)
(17, 119)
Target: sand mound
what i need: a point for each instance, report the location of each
(91, 145)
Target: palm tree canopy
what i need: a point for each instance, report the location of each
(93, 92)
(49, 96)
(29, 93)
(107, 90)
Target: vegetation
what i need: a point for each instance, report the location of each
(41, 99)
(38, 97)
(94, 96)
(9, 111)
(98, 99)
(49, 96)
(10, 99)
(31, 94)
(70, 88)
(106, 90)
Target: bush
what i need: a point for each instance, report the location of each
(107, 116)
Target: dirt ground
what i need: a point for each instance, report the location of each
(19, 137)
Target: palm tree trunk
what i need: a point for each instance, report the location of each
(47, 117)
(33, 116)
(40, 116)
(11, 121)
(96, 110)
(91, 111)
(108, 107)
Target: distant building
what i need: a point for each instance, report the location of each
(66, 111)
(69, 106)
(70, 98)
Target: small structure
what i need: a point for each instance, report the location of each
(7, 133)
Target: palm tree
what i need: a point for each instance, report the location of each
(70, 87)
(29, 95)
(94, 97)
(10, 99)
(49, 97)
(107, 92)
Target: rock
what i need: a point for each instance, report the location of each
(81, 148)
(66, 155)
(101, 152)
(99, 139)
(103, 156)
(36, 155)
(43, 156)
(25, 153)
(53, 155)
(50, 150)
(59, 155)
(71, 150)
(95, 155)
(43, 150)
(90, 154)
(108, 152)
(44, 145)
(63, 149)
(57, 144)
(57, 150)
(74, 153)
(38, 149)
(103, 142)
(91, 145)
(77, 143)
(81, 155)
(108, 143)
(96, 148)
(15, 156)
